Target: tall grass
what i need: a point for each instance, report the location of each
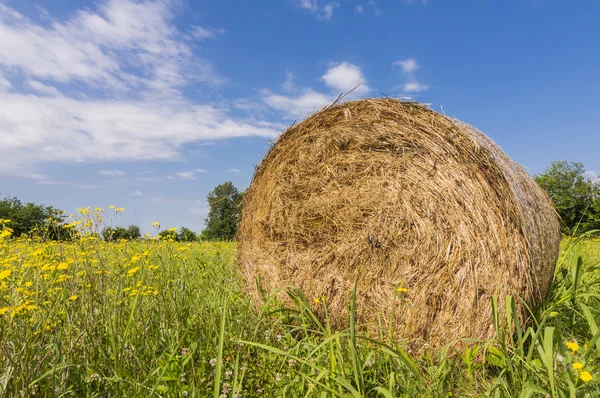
(159, 318)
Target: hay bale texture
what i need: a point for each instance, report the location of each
(398, 195)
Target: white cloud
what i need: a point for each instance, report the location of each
(190, 174)
(38, 130)
(297, 106)
(234, 171)
(99, 47)
(136, 194)
(201, 33)
(51, 181)
(344, 77)
(289, 84)
(125, 66)
(43, 88)
(408, 65)
(341, 77)
(322, 12)
(414, 87)
(311, 5)
(358, 9)
(4, 84)
(328, 11)
(112, 173)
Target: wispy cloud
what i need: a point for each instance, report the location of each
(43, 88)
(51, 181)
(414, 87)
(201, 33)
(4, 83)
(323, 12)
(299, 105)
(408, 65)
(136, 194)
(408, 68)
(289, 84)
(359, 9)
(112, 173)
(340, 78)
(122, 68)
(233, 170)
(190, 174)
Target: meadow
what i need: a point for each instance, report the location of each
(154, 317)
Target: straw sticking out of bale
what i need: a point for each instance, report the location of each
(400, 197)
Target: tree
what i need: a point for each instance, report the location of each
(168, 234)
(113, 234)
(186, 235)
(133, 232)
(223, 217)
(31, 218)
(576, 198)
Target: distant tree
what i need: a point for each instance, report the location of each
(576, 198)
(168, 234)
(133, 232)
(117, 233)
(186, 235)
(31, 218)
(223, 217)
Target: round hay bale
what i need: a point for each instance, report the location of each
(400, 197)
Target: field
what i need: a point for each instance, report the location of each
(160, 318)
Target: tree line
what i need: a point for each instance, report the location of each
(31, 219)
(575, 197)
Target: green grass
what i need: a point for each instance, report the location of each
(148, 318)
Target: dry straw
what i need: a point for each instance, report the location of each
(402, 198)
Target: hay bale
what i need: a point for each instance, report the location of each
(404, 197)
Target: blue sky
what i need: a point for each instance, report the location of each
(148, 105)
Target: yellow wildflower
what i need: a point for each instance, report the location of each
(4, 310)
(577, 366)
(62, 266)
(401, 289)
(132, 271)
(111, 207)
(4, 274)
(573, 346)
(73, 297)
(156, 224)
(28, 284)
(585, 376)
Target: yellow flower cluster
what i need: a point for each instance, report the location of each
(41, 280)
(584, 375)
